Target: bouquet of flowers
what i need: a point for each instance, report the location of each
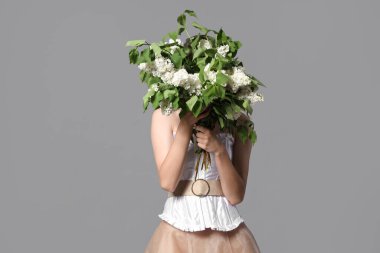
(201, 72)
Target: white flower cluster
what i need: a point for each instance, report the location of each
(255, 97)
(204, 44)
(166, 107)
(164, 68)
(238, 79)
(247, 93)
(154, 87)
(210, 74)
(223, 50)
(172, 48)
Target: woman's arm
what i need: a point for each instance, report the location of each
(170, 154)
(233, 174)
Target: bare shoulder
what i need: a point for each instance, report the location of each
(163, 122)
(161, 134)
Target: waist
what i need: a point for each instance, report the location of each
(199, 187)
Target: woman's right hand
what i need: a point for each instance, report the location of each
(190, 120)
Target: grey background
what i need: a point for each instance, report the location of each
(77, 169)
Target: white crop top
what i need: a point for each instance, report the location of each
(193, 213)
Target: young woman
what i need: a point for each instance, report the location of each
(195, 219)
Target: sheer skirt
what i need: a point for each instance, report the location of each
(169, 239)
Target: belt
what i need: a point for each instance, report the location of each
(199, 187)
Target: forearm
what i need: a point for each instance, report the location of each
(231, 181)
(171, 168)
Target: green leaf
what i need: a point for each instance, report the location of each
(252, 136)
(197, 109)
(181, 52)
(201, 74)
(213, 64)
(156, 48)
(145, 54)
(176, 103)
(135, 43)
(176, 59)
(220, 92)
(195, 41)
(143, 75)
(229, 112)
(221, 78)
(213, 92)
(221, 122)
(133, 55)
(201, 62)
(152, 80)
(222, 59)
(157, 97)
(209, 94)
(180, 30)
(217, 111)
(181, 20)
(146, 98)
(191, 13)
(211, 52)
(221, 38)
(191, 102)
(243, 133)
(247, 105)
(169, 93)
(199, 26)
(145, 102)
(198, 52)
(173, 35)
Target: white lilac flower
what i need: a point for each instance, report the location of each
(180, 77)
(155, 87)
(255, 97)
(162, 65)
(167, 77)
(204, 44)
(146, 66)
(239, 79)
(211, 75)
(166, 107)
(193, 84)
(223, 50)
(172, 48)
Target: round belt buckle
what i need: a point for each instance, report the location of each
(200, 187)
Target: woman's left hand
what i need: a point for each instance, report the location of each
(207, 140)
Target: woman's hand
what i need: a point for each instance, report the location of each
(207, 140)
(190, 120)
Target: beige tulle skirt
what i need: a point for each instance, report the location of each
(169, 239)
